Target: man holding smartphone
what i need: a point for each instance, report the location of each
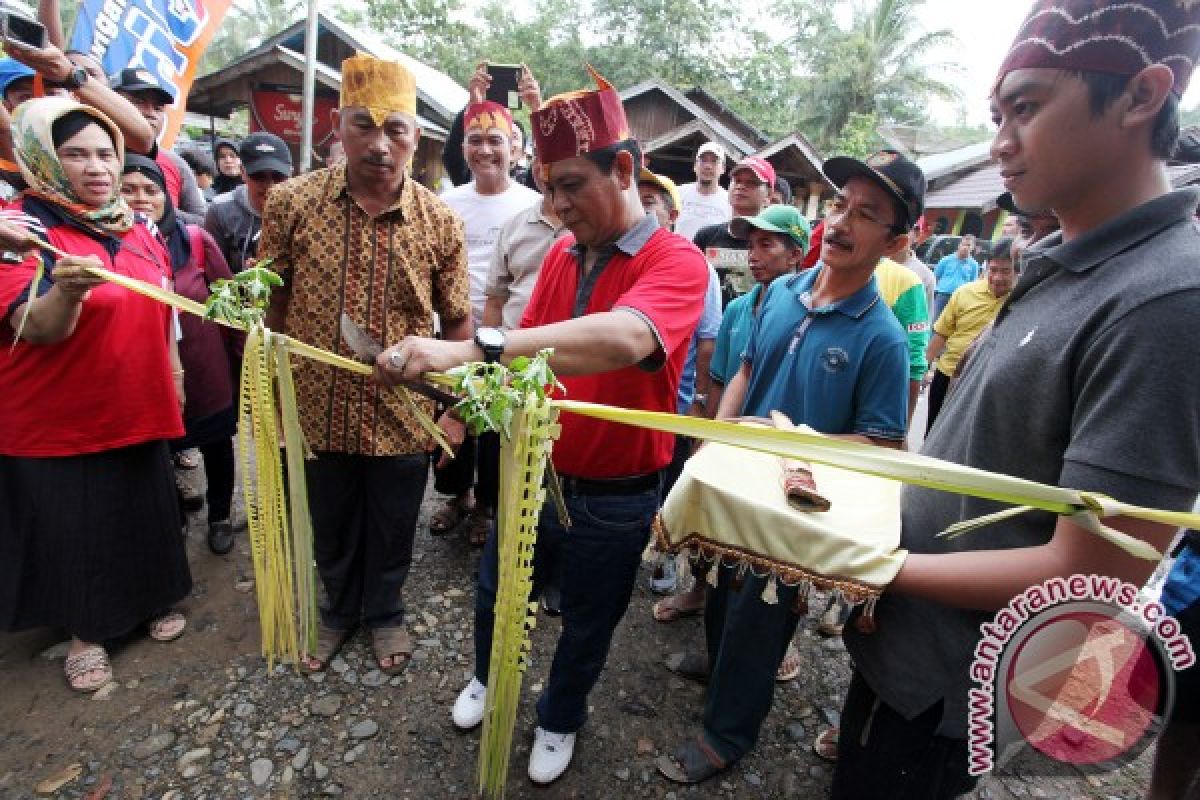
(495, 78)
(486, 205)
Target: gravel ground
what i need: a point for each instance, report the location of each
(204, 718)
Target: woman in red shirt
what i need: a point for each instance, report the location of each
(210, 354)
(89, 526)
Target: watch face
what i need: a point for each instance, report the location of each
(490, 337)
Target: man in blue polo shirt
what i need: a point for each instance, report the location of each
(955, 270)
(828, 352)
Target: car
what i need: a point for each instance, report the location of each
(938, 246)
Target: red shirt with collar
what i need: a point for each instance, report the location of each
(109, 383)
(663, 282)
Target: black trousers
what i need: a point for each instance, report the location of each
(480, 454)
(364, 513)
(883, 756)
(937, 396)
(218, 470)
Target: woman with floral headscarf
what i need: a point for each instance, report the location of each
(89, 533)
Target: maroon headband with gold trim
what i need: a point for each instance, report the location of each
(575, 123)
(1119, 38)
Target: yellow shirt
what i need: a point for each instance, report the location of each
(971, 308)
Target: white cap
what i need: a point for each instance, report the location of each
(714, 148)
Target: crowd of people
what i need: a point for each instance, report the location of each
(1060, 359)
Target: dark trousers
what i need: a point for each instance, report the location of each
(597, 561)
(683, 451)
(746, 640)
(937, 396)
(480, 454)
(364, 513)
(218, 470)
(883, 755)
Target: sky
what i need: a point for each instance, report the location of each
(984, 31)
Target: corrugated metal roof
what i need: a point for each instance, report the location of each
(978, 190)
(942, 164)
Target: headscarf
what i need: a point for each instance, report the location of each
(223, 183)
(33, 139)
(175, 235)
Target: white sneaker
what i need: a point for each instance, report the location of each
(665, 578)
(550, 756)
(468, 708)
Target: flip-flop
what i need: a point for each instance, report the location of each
(449, 516)
(91, 659)
(826, 744)
(668, 609)
(692, 762)
(479, 527)
(393, 643)
(186, 461)
(693, 666)
(329, 643)
(789, 668)
(162, 629)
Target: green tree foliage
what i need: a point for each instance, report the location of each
(875, 66)
(246, 25)
(433, 31)
(793, 67)
(858, 136)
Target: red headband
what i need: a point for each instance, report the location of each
(572, 124)
(486, 115)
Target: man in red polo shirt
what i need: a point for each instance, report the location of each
(618, 301)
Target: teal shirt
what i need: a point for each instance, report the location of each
(840, 368)
(733, 337)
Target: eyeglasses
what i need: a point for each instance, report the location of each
(838, 209)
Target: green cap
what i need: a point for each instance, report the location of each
(777, 219)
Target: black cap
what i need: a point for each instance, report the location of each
(139, 79)
(265, 152)
(890, 170)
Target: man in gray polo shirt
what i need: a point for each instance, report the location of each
(1089, 379)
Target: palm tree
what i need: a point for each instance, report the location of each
(875, 67)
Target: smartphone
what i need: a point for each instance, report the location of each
(505, 79)
(22, 30)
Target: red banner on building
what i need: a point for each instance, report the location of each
(277, 109)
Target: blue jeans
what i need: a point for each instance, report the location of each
(597, 561)
(746, 640)
(940, 299)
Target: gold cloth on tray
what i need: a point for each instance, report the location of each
(729, 504)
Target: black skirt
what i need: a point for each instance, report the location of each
(90, 543)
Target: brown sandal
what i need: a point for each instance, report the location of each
(669, 609)
(329, 644)
(393, 643)
(692, 762)
(91, 659)
(826, 744)
(479, 527)
(789, 668)
(450, 516)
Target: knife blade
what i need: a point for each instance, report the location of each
(366, 348)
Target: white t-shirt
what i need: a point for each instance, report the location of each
(484, 215)
(701, 209)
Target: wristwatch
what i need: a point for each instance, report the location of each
(75, 79)
(491, 341)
